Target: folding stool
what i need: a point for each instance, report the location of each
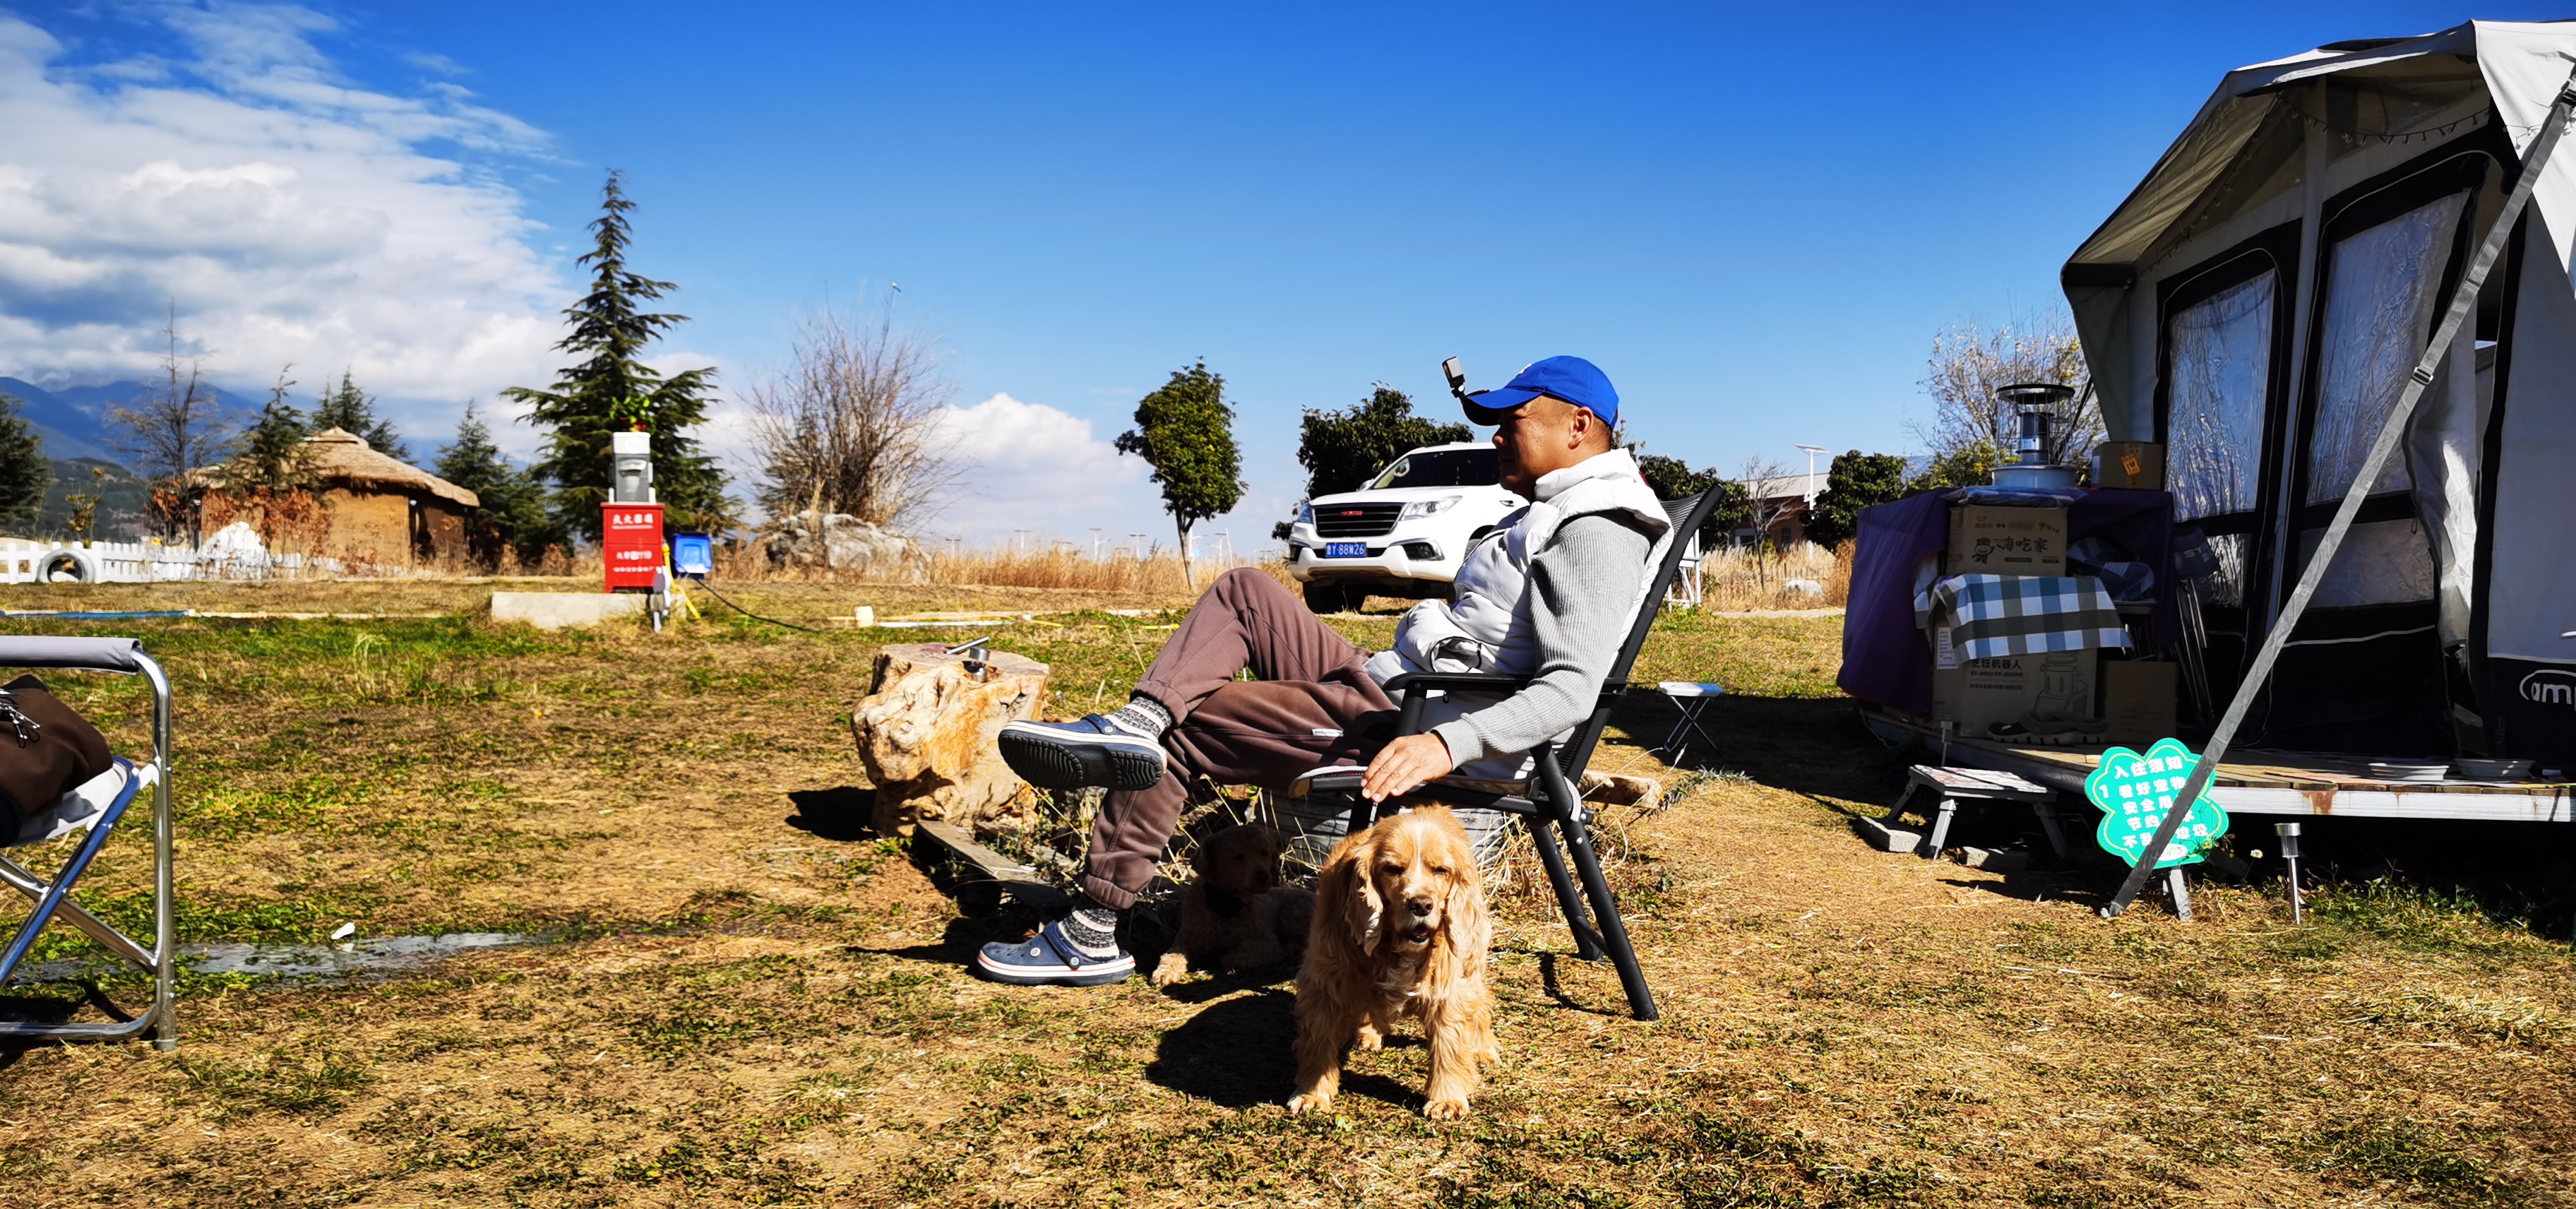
(95, 807)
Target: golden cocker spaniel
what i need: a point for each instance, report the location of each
(1399, 930)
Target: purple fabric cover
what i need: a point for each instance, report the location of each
(1887, 660)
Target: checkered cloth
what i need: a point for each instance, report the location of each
(1997, 616)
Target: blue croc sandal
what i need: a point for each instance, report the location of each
(1074, 755)
(1048, 959)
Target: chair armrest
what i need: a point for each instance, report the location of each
(77, 654)
(1416, 687)
(1457, 680)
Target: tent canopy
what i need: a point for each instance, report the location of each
(2256, 303)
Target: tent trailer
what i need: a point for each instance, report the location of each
(2256, 305)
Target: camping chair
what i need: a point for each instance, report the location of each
(1551, 801)
(95, 807)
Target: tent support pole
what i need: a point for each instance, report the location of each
(2464, 300)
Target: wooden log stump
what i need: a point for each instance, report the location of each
(925, 732)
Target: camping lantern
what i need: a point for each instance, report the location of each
(2031, 470)
(630, 522)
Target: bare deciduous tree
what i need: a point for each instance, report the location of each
(1767, 494)
(852, 427)
(1968, 363)
(175, 431)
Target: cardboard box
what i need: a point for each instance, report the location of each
(2006, 541)
(2138, 701)
(1977, 693)
(2136, 465)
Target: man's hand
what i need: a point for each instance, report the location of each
(1404, 765)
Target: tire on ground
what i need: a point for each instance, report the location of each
(66, 566)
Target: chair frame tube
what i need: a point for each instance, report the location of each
(53, 898)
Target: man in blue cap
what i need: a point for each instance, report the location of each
(1548, 594)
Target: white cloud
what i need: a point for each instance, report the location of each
(289, 215)
(1032, 467)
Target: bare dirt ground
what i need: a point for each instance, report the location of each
(743, 997)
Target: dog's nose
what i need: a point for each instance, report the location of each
(1419, 905)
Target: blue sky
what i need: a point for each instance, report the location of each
(1755, 219)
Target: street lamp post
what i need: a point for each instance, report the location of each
(1811, 451)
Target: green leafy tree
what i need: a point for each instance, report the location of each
(24, 471)
(353, 411)
(1185, 432)
(512, 515)
(609, 387)
(1858, 480)
(1969, 465)
(1673, 479)
(1341, 449)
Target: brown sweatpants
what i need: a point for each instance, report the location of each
(1312, 705)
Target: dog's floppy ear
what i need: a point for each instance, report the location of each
(1462, 913)
(1363, 913)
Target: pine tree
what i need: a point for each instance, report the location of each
(272, 453)
(1185, 432)
(512, 514)
(609, 389)
(24, 472)
(353, 411)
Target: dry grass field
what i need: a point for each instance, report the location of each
(738, 996)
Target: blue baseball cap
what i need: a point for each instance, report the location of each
(1572, 379)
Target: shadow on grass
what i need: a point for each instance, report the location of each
(1240, 1052)
(1806, 745)
(842, 815)
(1547, 982)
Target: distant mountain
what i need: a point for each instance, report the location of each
(119, 515)
(73, 421)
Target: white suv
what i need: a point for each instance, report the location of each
(1401, 534)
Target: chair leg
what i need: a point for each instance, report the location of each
(1587, 944)
(1363, 815)
(1605, 913)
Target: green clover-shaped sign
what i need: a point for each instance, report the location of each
(2134, 791)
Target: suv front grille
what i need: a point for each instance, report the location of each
(1355, 520)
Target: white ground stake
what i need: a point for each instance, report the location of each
(2464, 299)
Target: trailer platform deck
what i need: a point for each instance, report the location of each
(2263, 782)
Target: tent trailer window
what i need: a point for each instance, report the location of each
(2224, 349)
(2382, 286)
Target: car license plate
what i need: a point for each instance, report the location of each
(1346, 549)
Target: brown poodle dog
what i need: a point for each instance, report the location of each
(1400, 930)
(1236, 915)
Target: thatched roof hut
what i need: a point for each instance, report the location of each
(374, 510)
(344, 459)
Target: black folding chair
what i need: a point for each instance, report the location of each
(1551, 802)
(94, 809)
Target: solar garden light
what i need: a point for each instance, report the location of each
(2289, 833)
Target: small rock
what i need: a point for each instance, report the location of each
(344, 931)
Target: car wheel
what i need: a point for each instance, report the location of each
(1327, 598)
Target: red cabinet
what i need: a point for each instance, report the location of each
(631, 544)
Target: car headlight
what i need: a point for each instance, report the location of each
(1422, 508)
(1305, 514)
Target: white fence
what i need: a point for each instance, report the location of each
(27, 562)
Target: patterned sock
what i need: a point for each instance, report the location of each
(1143, 717)
(1092, 928)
